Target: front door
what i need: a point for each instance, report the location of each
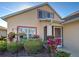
(58, 34)
(45, 33)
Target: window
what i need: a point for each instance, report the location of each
(44, 14)
(40, 14)
(30, 32)
(57, 32)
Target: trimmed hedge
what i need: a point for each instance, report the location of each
(33, 46)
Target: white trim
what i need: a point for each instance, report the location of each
(54, 31)
(49, 19)
(49, 30)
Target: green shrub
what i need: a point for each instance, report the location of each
(23, 40)
(20, 46)
(3, 38)
(14, 47)
(62, 54)
(3, 45)
(33, 46)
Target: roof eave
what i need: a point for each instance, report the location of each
(69, 21)
(21, 11)
(55, 11)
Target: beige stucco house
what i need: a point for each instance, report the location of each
(3, 31)
(40, 20)
(44, 21)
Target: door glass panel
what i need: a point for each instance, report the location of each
(57, 32)
(58, 36)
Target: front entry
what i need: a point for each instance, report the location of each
(55, 31)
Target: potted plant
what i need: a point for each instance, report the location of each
(11, 36)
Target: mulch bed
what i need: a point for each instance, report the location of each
(23, 53)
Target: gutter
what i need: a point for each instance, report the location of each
(69, 21)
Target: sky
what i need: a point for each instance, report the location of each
(62, 8)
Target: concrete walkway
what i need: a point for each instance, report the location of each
(73, 53)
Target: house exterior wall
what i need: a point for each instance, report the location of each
(30, 19)
(71, 36)
(3, 33)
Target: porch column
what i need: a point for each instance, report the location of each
(49, 30)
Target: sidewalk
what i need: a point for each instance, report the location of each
(73, 53)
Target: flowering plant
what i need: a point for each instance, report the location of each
(52, 45)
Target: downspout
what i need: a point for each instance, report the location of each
(17, 34)
(62, 38)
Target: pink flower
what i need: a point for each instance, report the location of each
(50, 41)
(58, 41)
